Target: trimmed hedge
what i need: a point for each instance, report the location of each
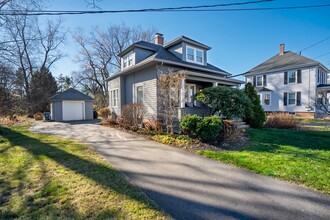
(206, 129)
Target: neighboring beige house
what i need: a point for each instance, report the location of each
(141, 63)
(289, 82)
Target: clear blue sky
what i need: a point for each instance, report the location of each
(239, 40)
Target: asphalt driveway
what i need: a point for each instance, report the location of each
(188, 186)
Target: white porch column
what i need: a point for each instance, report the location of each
(183, 93)
(215, 84)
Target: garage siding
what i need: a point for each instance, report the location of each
(57, 111)
(88, 110)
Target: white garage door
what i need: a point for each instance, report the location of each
(73, 110)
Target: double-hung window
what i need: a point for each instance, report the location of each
(128, 60)
(194, 55)
(139, 94)
(114, 98)
(259, 80)
(292, 76)
(292, 98)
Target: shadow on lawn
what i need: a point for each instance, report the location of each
(104, 175)
(269, 140)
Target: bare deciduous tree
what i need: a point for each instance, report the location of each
(31, 45)
(169, 93)
(98, 55)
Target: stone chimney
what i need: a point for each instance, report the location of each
(282, 49)
(159, 39)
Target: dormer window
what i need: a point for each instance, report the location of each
(194, 55)
(128, 60)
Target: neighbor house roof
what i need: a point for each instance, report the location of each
(263, 89)
(71, 94)
(289, 60)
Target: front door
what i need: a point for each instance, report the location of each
(190, 92)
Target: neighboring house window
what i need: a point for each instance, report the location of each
(259, 80)
(128, 60)
(328, 76)
(194, 55)
(114, 98)
(292, 76)
(292, 98)
(267, 99)
(139, 94)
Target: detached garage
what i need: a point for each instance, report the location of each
(71, 105)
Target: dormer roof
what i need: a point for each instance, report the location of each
(186, 40)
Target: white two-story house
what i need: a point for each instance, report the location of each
(289, 82)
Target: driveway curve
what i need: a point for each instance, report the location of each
(188, 186)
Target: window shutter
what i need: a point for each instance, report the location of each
(299, 76)
(285, 99)
(298, 98)
(285, 77)
(265, 80)
(254, 81)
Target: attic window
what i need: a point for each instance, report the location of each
(194, 55)
(128, 60)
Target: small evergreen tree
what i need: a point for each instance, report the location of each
(254, 113)
(43, 86)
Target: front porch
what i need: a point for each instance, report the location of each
(195, 82)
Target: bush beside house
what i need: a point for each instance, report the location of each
(206, 129)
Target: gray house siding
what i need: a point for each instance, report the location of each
(88, 110)
(141, 54)
(177, 50)
(148, 79)
(57, 111)
(115, 84)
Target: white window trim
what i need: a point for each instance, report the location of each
(262, 81)
(111, 98)
(270, 98)
(126, 58)
(295, 99)
(195, 55)
(135, 92)
(295, 78)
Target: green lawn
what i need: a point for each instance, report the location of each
(302, 157)
(52, 178)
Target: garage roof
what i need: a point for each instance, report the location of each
(71, 94)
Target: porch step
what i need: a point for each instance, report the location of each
(240, 124)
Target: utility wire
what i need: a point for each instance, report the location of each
(322, 55)
(321, 41)
(57, 12)
(33, 13)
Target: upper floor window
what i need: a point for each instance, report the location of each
(128, 60)
(194, 55)
(292, 76)
(259, 80)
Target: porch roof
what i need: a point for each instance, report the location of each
(213, 78)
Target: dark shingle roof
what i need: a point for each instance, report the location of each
(164, 54)
(286, 61)
(186, 39)
(71, 94)
(141, 44)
